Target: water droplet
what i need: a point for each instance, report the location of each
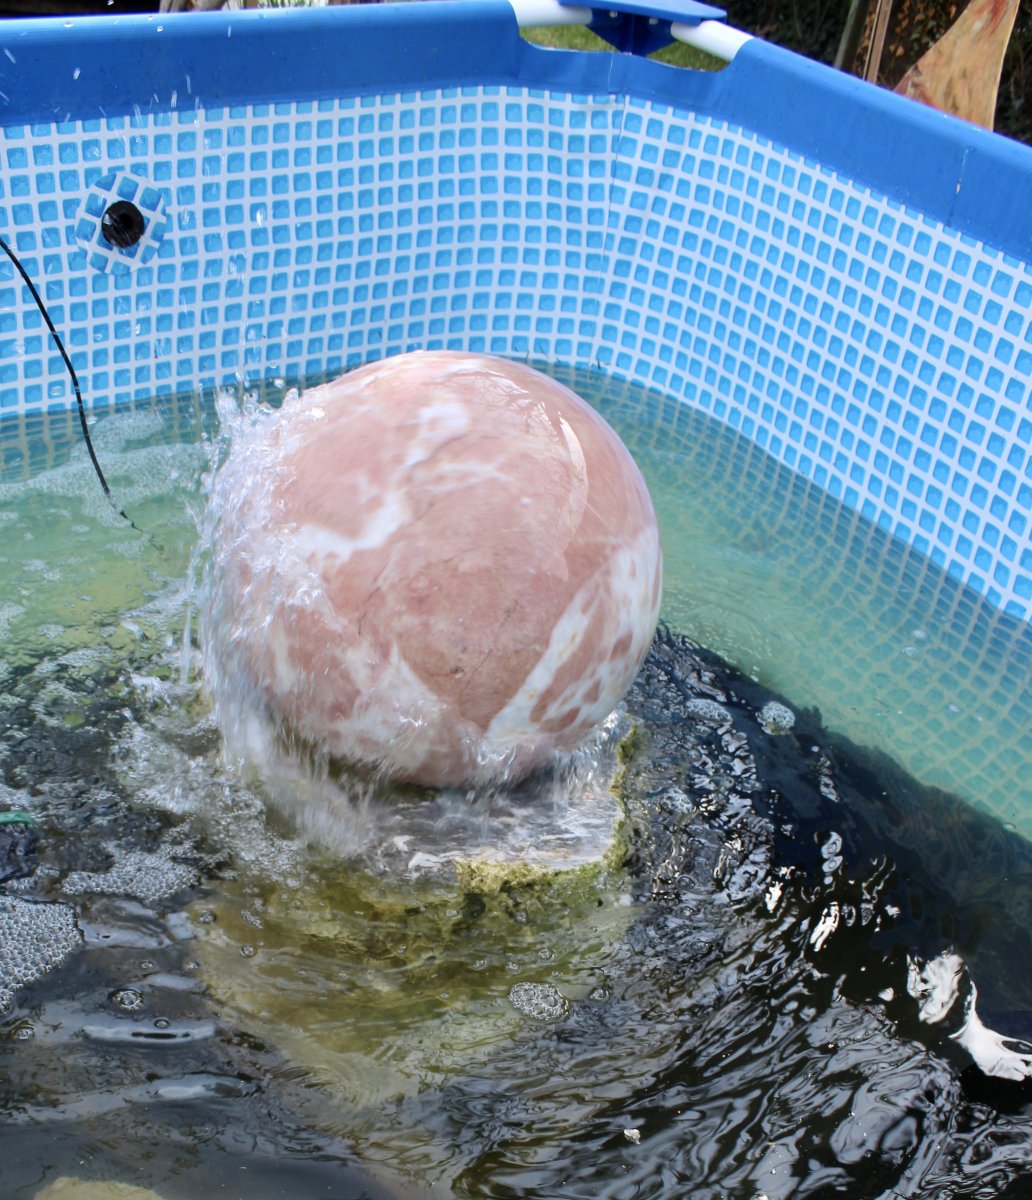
(248, 951)
(161, 1022)
(128, 999)
(23, 1033)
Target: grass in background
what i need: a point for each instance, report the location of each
(556, 37)
(577, 37)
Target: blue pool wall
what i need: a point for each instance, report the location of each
(840, 274)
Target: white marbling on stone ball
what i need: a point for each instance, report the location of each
(444, 566)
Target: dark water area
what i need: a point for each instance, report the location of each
(113, 1064)
(788, 1012)
(748, 1045)
(958, 877)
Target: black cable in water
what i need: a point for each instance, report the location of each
(71, 372)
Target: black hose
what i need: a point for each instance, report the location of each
(71, 372)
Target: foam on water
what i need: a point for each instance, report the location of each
(148, 877)
(540, 1001)
(35, 937)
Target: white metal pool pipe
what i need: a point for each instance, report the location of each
(533, 13)
(714, 37)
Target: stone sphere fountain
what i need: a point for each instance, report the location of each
(442, 566)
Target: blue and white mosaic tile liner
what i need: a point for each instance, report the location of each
(871, 349)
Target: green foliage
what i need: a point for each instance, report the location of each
(1014, 105)
(576, 37)
(810, 27)
(814, 28)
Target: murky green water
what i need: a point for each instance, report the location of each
(739, 1005)
(761, 567)
(820, 605)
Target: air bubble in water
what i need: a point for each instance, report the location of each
(539, 1001)
(707, 710)
(776, 718)
(34, 938)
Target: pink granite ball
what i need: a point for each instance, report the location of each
(444, 566)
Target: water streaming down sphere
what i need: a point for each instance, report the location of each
(444, 566)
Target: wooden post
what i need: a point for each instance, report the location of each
(960, 74)
(852, 33)
(882, 13)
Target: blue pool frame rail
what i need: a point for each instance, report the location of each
(973, 180)
(968, 178)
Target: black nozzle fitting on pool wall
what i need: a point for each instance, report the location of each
(122, 224)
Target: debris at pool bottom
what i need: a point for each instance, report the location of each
(70, 1188)
(778, 893)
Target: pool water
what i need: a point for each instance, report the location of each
(817, 603)
(804, 970)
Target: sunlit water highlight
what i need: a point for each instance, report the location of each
(772, 994)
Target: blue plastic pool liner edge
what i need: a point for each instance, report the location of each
(55, 71)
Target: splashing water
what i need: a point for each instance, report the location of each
(559, 818)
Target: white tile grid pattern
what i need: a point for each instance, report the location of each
(884, 357)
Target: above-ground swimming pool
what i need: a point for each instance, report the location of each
(799, 967)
